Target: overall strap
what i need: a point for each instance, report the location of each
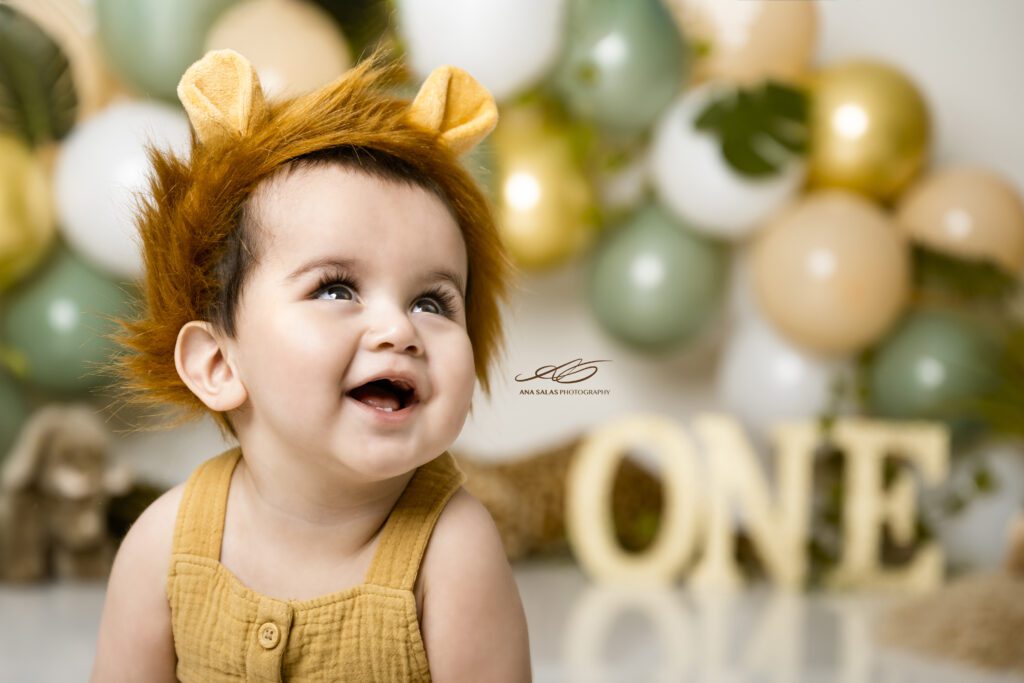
(407, 530)
(200, 524)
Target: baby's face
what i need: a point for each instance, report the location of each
(308, 334)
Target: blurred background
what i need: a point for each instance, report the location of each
(774, 209)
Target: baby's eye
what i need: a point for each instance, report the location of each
(431, 304)
(335, 291)
(440, 301)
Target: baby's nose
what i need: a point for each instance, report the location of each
(393, 329)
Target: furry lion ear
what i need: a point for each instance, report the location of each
(222, 96)
(453, 104)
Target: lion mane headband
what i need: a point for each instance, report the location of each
(239, 138)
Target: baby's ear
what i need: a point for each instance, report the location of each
(453, 104)
(222, 96)
(203, 364)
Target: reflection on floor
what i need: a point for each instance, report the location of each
(578, 632)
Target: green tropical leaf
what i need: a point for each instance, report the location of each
(760, 129)
(976, 282)
(38, 101)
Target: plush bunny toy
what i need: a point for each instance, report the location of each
(54, 489)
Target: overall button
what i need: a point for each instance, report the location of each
(269, 635)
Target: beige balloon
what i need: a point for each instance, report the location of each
(28, 222)
(969, 212)
(294, 45)
(831, 272)
(546, 202)
(870, 129)
(750, 40)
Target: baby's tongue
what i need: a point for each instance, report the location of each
(376, 396)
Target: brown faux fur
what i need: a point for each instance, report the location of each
(526, 498)
(978, 619)
(195, 204)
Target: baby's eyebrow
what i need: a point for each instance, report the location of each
(325, 262)
(354, 264)
(448, 276)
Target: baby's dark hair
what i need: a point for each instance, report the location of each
(200, 238)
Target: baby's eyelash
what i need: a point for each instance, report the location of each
(448, 301)
(334, 278)
(444, 297)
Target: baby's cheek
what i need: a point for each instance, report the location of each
(468, 365)
(463, 388)
(453, 379)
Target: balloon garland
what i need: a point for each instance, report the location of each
(861, 253)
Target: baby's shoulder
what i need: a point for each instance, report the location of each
(463, 512)
(464, 533)
(146, 548)
(151, 536)
(136, 586)
(473, 621)
(159, 517)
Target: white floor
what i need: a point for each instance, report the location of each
(578, 632)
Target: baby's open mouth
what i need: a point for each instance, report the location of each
(385, 394)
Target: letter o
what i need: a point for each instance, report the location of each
(590, 525)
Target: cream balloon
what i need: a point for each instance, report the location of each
(295, 46)
(972, 213)
(693, 179)
(507, 45)
(831, 272)
(751, 40)
(101, 168)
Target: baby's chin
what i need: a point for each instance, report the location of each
(386, 459)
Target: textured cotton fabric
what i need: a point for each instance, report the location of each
(224, 631)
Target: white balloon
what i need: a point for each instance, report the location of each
(507, 45)
(692, 177)
(100, 168)
(764, 380)
(975, 536)
(295, 47)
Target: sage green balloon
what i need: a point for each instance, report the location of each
(624, 61)
(930, 366)
(14, 412)
(654, 284)
(55, 320)
(151, 42)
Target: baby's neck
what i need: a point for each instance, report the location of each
(308, 511)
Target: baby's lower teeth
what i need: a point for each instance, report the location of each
(384, 409)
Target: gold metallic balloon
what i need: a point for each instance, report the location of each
(749, 40)
(546, 211)
(971, 213)
(295, 46)
(831, 272)
(28, 223)
(870, 129)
